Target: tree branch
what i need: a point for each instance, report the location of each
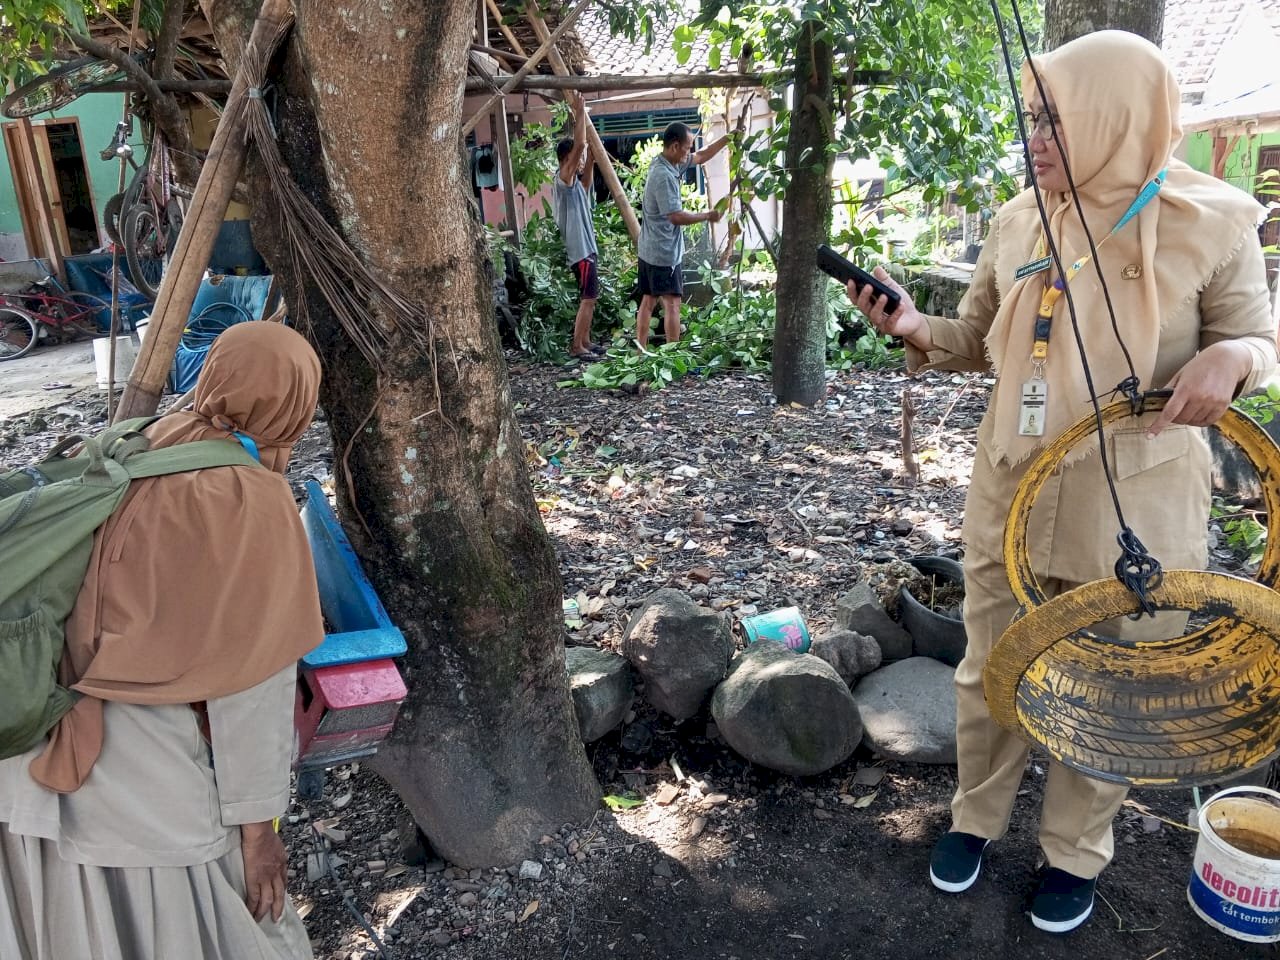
(131, 68)
(166, 113)
(167, 38)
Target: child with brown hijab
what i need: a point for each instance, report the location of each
(142, 828)
(1188, 283)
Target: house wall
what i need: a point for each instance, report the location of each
(1242, 163)
(98, 114)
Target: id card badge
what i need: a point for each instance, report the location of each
(1035, 394)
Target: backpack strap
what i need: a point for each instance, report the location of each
(183, 457)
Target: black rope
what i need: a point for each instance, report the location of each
(1075, 197)
(1135, 568)
(323, 855)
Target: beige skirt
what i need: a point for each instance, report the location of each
(51, 909)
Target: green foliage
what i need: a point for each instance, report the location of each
(735, 332)
(546, 320)
(1261, 407)
(533, 154)
(941, 123)
(32, 30)
(1245, 533)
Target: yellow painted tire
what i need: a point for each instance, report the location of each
(1167, 713)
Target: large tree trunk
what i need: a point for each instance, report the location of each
(800, 326)
(1065, 20)
(432, 483)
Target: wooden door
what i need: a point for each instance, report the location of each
(39, 200)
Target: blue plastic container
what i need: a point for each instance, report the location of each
(361, 628)
(786, 626)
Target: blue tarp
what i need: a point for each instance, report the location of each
(220, 302)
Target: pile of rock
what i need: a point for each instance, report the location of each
(799, 713)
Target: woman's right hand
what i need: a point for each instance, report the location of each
(906, 322)
(265, 867)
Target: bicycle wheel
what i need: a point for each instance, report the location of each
(111, 217)
(59, 87)
(144, 249)
(17, 333)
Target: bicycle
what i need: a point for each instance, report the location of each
(147, 217)
(60, 86)
(45, 311)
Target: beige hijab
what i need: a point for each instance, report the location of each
(1117, 104)
(201, 584)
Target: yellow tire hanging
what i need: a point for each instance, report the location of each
(1156, 713)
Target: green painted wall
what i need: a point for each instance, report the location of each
(98, 114)
(1241, 168)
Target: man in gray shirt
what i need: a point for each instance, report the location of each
(573, 216)
(661, 246)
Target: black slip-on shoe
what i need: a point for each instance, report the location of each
(956, 861)
(1062, 901)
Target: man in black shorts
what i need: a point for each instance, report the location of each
(661, 246)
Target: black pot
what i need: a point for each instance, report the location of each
(932, 634)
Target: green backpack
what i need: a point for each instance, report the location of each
(48, 514)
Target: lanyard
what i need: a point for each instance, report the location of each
(1053, 291)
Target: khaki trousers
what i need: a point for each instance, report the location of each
(1075, 821)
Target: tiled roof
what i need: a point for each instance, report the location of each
(1196, 30)
(608, 54)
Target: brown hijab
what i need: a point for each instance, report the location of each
(201, 584)
(1117, 105)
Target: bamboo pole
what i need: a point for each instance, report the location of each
(502, 140)
(547, 45)
(625, 81)
(603, 161)
(217, 181)
(506, 31)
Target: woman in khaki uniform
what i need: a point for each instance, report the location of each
(1186, 276)
(142, 828)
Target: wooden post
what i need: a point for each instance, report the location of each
(36, 187)
(547, 45)
(502, 143)
(181, 281)
(603, 161)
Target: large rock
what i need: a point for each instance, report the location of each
(602, 689)
(786, 711)
(860, 610)
(680, 649)
(909, 710)
(852, 655)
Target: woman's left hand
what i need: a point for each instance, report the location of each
(1204, 387)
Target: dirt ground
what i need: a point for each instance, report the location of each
(710, 487)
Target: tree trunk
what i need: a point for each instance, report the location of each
(432, 483)
(800, 327)
(1065, 20)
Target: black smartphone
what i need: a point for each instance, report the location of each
(843, 270)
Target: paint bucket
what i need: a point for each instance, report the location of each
(126, 353)
(786, 626)
(1235, 876)
(140, 328)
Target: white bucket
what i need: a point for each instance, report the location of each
(126, 353)
(140, 328)
(1235, 876)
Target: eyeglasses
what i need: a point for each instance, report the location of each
(1041, 123)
